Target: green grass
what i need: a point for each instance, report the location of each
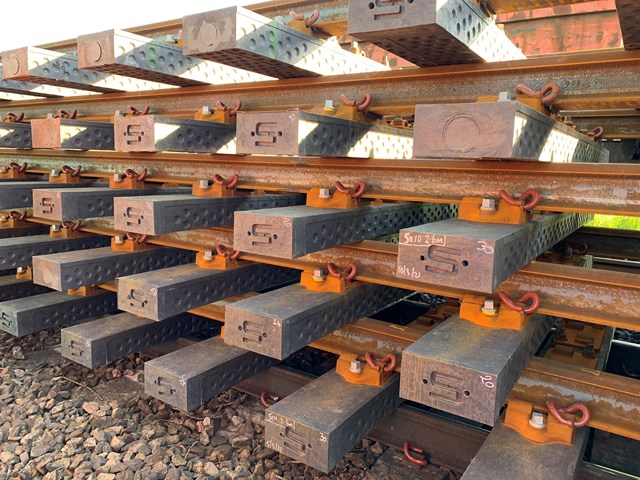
(609, 221)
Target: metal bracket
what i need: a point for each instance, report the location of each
(317, 280)
(488, 210)
(486, 313)
(536, 425)
(120, 243)
(215, 261)
(58, 231)
(212, 188)
(355, 370)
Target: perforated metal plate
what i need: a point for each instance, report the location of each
(170, 291)
(295, 132)
(280, 322)
(105, 340)
(431, 32)
(124, 53)
(31, 314)
(17, 252)
(90, 202)
(157, 214)
(37, 65)
(23, 231)
(293, 232)
(155, 133)
(62, 271)
(12, 288)
(66, 133)
(190, 376)
(320, 422)
(238, 37)
(504, 130)
(469, 370)
(15, 135)
(20, 194)
(478, 256)
(629, 16)
(19, 87)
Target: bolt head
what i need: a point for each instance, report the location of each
(3, 218)
(20, 269)
(318, 275)
(208, 255)
(488, 204)
(54, 172)
(55, 228)
(118, 177)
(356, 366)
(537, 420)
(324, 193)
(489, 308)
(204, 183)
(119, 239)
(206, 110)
(329, 106)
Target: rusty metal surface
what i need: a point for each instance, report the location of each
(27, 315)
(292, 232)
(70, 133)
(89, 202)
(130, 55)
(478, 256)
(190, 376)
(20, 194)
(155, 133)
(17, 252)
(610, 243)
(501, 6)
(158, 214)
(170, 291)
(105, 340)
(317, 428)
(504, 130)
(506, 454)
(295, 132)
(428, 32)
(15, 135)
(628, 15)
(12, 288)
(238, 37)
(469, 370)
(62, 271)
(282, 321)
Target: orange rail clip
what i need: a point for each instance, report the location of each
(488, 313)
(353, 369)
(66, 175)
(216, 187)
(220, 259)
(130, 243)
(341, 197)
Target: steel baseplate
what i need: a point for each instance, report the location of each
(12, 288)
(469, 370)
(296, 132)
(320, 422)
(156, 133)
(238, 37)
(475, 256)
(124, 53)
(30, 314)
(23, 230)
(192, 375)
(293, 232)
(17, 252)
(89, 202)
(22, 89)
(15, 135)
(629, 23)
(158, 214)
(38, 65)
(105, 340)
(20, 194)
(280, 322)
(170, 291)
(499, 130)
(62, 271)
(431, 32)
(53, 132)
(505, 455)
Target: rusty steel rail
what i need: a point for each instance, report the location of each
(611, 189)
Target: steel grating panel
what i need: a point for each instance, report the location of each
(629, 23)
(156, 133)
(502, 130)
(170, 291)
(20, 194)
(31, 314)
(62, 271)
(17, 252)
(70, 133)
(280, 322)
(124, 53)
(105, 340)
(478, 256)
(192, 375)
(241, 38)
(23, 231)
(469, 370)
(431, 32)
(15, 135)
(37, 65)
(296, 132)
(158, 214)
(12, 288)
(506, 455)
(293, 232)
(90, 202)
(324, 419)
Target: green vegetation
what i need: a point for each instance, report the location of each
(609, 221)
